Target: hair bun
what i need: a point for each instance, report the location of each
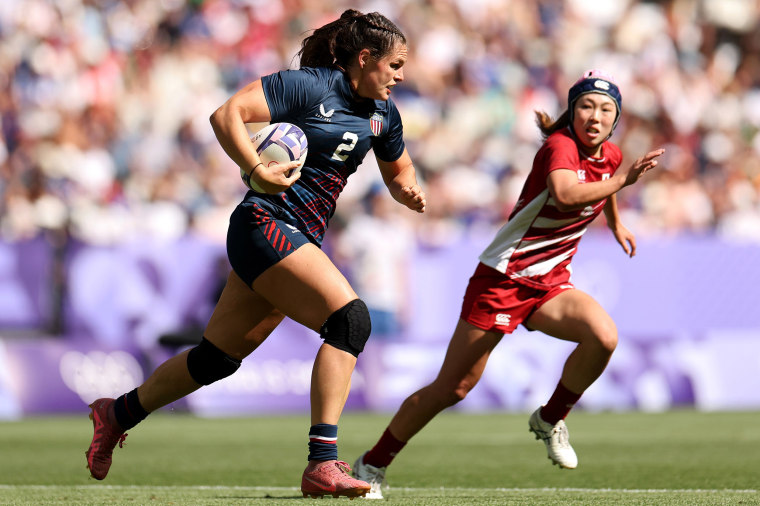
(351, 14)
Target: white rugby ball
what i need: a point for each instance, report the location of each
(277, 143)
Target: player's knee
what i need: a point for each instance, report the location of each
(461, 390)
(450, 394)
(348, 328)
(609, 342)
(207, 363)
(607, 337)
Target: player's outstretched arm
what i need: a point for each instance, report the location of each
(631, 175)
(569, 194)
(638, 168)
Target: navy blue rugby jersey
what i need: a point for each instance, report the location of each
(340, 131)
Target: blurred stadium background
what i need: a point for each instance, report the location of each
(114, 196)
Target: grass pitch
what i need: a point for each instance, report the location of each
(680, 457)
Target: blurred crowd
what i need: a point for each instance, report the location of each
(105, 103)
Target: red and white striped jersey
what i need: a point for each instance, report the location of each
(538, 241)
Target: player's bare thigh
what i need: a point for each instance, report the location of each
(305, 286)
(572, 315)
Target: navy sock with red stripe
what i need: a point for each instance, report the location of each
(323, 442)
(128, 411)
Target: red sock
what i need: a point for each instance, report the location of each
(559, 405)
(384, 451)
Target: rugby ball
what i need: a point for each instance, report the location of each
(277, 143)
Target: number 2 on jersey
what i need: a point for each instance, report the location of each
(341, 152)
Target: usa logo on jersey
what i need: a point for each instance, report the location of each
(376, 123)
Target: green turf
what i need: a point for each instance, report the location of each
(680, 457)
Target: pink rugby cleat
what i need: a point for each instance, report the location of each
(331, 477)
(104, 440)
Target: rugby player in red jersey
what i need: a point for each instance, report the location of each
(524, 276)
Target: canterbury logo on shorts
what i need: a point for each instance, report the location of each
(503, 319)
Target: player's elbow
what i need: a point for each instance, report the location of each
(217, 117)
(565, 203)
(214, 119)
(225, 114)
(572, 199)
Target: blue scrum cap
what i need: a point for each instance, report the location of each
(595, 81)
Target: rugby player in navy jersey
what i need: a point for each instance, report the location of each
(524, 276)
(340, 98)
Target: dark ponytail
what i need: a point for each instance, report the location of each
(548, 126)
(335, 44)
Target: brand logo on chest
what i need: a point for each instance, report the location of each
(325, 115)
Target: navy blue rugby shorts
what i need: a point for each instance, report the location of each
(260, 235)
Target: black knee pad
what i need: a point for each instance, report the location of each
(207, 363)
(348, 328)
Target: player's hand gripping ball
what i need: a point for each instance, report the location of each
(277, 143)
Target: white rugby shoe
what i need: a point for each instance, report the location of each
(375, 476)
(557, 440)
